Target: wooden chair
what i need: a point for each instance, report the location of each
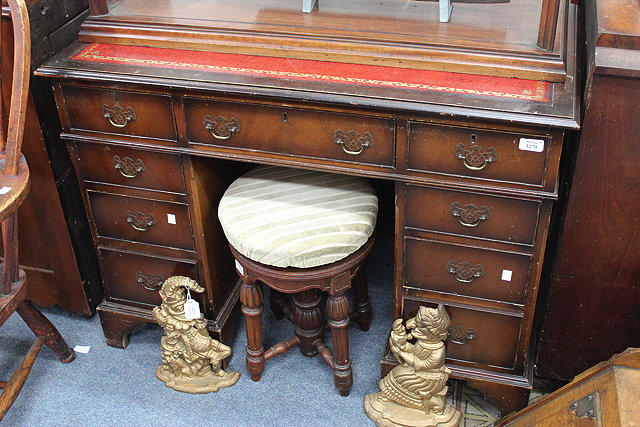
(300, 233)
(14, 185)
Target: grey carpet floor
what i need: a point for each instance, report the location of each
(114, 387)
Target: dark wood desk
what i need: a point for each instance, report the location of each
(157, 135)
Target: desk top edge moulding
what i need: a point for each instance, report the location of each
(523, 101)
(479, 38)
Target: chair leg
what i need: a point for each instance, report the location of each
(42, 327)
(251, 299)
(11, 271)
(338, 314)
(361, 300)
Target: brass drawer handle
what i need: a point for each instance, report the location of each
(128, 167)
(461, 335)
(465, 272)
(149, 281)
(352, 142)
(117, 115)
(475, 157)
(140, 221)
(469, 215)
(221, 128)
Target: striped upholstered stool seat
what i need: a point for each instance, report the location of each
(301, 232)
(295, 218)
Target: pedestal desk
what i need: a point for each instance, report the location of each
(157, 134)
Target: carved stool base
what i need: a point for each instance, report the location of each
(390, 414)
(204, 384)
(306, 285)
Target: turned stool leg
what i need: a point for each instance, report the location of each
(307, 317)
(278, 303)
(251, 299)
(338, 314)
(361, 300)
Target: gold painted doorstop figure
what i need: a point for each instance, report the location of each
(414, 392)
(191, 359)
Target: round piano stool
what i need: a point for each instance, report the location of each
(318, 230)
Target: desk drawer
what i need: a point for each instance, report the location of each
(478, 153)
(142, 220)
(130, 277)
(476, 336)
(120, 112)
(134, 168)
(311, 133)
(471, 214)
(467, 271)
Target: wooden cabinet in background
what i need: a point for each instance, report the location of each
(594, 303)
(55, 250)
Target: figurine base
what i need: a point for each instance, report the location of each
(390, 414)
(206, 384)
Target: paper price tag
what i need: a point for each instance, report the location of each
(239, 268)
(171, 218)
(191, 309)
(84, 349)
(528, 144)
(506, 275)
